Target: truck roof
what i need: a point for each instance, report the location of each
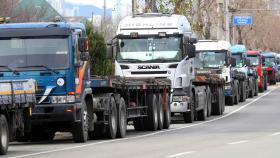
(238, 49)
(253, 52)
(269, 54)
(42, 25)
(208, 45)
(153, 23)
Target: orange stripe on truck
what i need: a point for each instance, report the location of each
(81, 74)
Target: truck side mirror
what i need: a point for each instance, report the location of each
(110, 50)
(190, 50)
(233, 62)
(83, 44)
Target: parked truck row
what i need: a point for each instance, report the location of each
(160, 71)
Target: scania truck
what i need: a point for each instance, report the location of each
(68, 98)
(160, 46)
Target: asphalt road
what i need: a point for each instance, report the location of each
(248, 130)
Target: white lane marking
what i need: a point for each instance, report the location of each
(239, 142)
(275, 134)
(147, 135)
(181, 154)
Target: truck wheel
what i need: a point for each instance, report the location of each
(237, 97)
(4, 135)
(223, 100)
(111, 128)
(202, 114)
(217, 108)
(122, 119)
(256, 88)
(243, 92)
(167, 113)
(160, 112)
(209, 104)
(189, 116)
(152, 120)
(80, 131)
(252, 90)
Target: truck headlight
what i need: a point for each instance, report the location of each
(180, 98)
(63, 99)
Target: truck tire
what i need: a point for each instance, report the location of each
(223, 100)
(217, 108)
(151, 122)
(112, 127)
(256, 88)
(202, 114)
(160, 112)
(243, 94)
(167, 113)
(237, 97)
(4, 135)
(252, 89)
(265, 83)
(122, 119)
(189, 116)
(209, 103)
(80, 131)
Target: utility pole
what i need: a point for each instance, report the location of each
(220, 15)
(227, 21)
(133, 7)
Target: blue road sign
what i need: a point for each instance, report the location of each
(242, 20)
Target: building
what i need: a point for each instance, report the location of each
(34, 11)
(58, 5)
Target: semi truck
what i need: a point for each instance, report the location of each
(270, 66)
(256, 60)
(69, 99)
(17, 99)
(161, 46)
(209, 63)
(248, 82)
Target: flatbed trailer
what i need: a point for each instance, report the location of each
(213, 85)
(17, 98)
(117, 101)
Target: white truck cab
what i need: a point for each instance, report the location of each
(216, 56)
(155, 46)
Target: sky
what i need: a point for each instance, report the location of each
(97, 3)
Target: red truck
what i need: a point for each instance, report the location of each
(256, 62)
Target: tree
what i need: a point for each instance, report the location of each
(100, 65)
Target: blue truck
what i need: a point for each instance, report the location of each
(69, 99)
(246, 76)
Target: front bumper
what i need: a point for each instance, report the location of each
(228, 92)
(179, 107)
(51, 113)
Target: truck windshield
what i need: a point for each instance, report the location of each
(269, 61)
(239, 60)
(150, 50)
(34, 53)
(254, 60)
(210, 59)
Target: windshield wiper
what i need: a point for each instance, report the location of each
(39, 66)
(161, 60)
(8, 68)
(130, 60)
